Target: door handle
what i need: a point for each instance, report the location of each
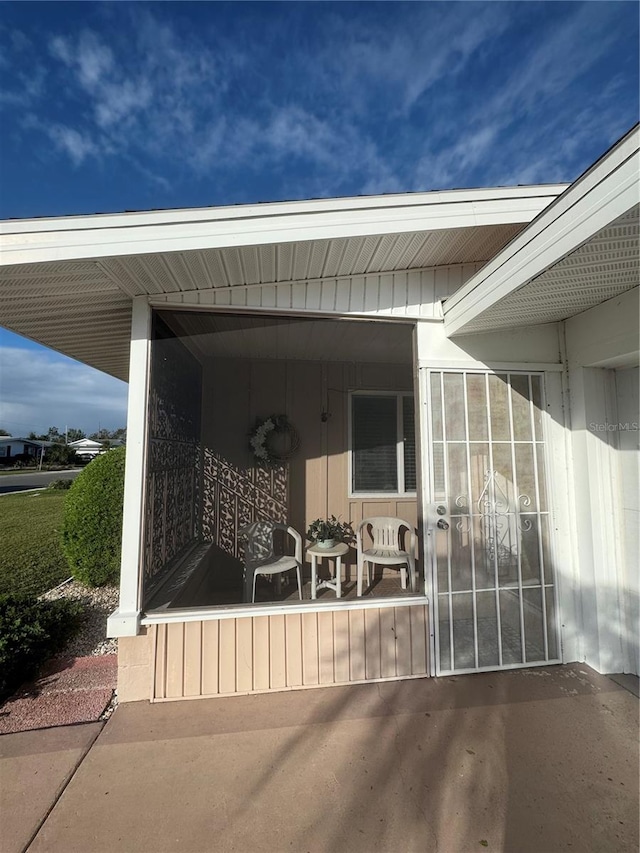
(442, 524)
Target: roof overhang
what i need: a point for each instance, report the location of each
(581, 251)
(69, 282)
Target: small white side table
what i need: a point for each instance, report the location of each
(337, 552)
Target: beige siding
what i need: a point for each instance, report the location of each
(284, 652)
(317, 478)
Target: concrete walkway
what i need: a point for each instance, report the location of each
(530, 760)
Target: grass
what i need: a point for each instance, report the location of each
(31, 559)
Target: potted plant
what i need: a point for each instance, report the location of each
(326, 532)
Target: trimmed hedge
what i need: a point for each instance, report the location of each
(32, 631)
(92, 523)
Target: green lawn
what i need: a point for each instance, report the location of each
(31, 560)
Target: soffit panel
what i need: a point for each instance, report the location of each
(597, 271)
(82, 308)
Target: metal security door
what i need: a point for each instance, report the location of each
(488, 522)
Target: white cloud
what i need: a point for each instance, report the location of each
(77, 145)
(39, 389)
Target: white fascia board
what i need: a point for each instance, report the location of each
(605, 192)
(112, 235)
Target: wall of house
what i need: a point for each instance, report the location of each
(602, 349)
(412, 294)
(314, 484)
(256, 654)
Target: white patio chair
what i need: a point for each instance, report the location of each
(385, 550)
(260, 557)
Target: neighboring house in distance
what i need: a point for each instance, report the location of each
(87, 448)
(13, 449)
(466, 360)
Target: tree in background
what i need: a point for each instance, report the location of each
(4, 432)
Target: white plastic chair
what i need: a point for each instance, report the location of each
(260, 557)
(386, 551)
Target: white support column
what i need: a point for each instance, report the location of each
(597, 520)
(125, 621)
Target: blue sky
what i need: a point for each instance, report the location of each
(108, 107)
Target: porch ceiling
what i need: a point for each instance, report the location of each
(68, 283)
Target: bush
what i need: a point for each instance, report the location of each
(92, 523)
(60, 485)
(32, 631)
(60, 454)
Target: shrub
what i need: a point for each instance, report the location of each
(60, 485)
(60, 454)
(32, 631)
(92, 524)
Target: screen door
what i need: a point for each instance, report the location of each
(489, 525)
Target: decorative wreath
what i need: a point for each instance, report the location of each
(263, 443)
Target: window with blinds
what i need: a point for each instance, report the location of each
(383, 452)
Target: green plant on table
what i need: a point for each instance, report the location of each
(323, 529)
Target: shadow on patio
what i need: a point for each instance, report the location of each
(528, 760)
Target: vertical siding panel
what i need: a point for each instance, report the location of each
(298, 295)
(244, 654)
(268, 295)
(310, 648)
(210, 657)
(328, 295)
(283, 296)
(220, 296)
(341, 648)
(441, 283)
(175, 659)
(193, 658)
(372, 643)
(356, 645)
(325, 640)
(314, 290)
(343, 295)
(418, 640)
(400, 294)
(227, 656)
(428, 293)
(160, 686)
(387, 642)
(403, 640)
(414, 295)
(239, 296)
(386, 294)
(277, 652)
(455, 280)
(293, 639)
(372, 294)
(261, 655)
(357, 294)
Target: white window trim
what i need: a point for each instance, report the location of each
(400, 494)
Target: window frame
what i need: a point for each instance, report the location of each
(401, 492)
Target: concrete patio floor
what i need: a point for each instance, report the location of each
(529, 760)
